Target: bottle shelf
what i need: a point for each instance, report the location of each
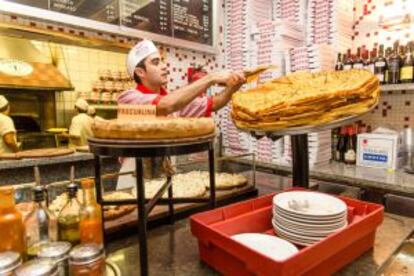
(397, 87)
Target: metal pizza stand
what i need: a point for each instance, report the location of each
(140, 149)
(299, 142)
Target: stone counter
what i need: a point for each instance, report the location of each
(398, 182)
(174, 251)
(52, 169)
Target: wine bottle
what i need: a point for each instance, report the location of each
(387, 58)
(380, 65)
(348, 61)
(340, 148)
(394, 65)
(371, 61)
(407, 69)
(339, 64)
(350, 152)
(358, 62)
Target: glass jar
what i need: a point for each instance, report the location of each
(68, 219)
(37, 267)
(87, 260)
(9, 261)
(90, 226)
(11, 223)
(40, 224)
(57, 252)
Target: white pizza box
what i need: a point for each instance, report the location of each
(380, 150)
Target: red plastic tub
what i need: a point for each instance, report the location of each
(214, 228)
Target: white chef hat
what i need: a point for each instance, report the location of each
(91, 111)
(82, 104)
(139, 52)
(3, 101)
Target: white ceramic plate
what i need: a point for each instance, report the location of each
(309, 203)
(310, 224)
(322, 219)
(295, 241)
(271, 246)
(306, 232)
(293, 235)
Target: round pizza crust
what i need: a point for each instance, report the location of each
(153, 128)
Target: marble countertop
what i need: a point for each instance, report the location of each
(393, 181)
(74, 157)
(174, 251)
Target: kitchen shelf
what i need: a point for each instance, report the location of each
(397, 87)
(104, 106)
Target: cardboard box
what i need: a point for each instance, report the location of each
(380, 150)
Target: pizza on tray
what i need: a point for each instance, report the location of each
(305, 98)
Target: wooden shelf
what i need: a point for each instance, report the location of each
(397, 87)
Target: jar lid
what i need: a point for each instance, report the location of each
(56, 250)
(9, 260)
(39, 267)
(86, 253)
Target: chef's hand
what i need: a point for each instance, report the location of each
(229, 78)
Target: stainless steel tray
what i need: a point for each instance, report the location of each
(308, 128)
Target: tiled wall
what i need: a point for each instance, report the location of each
(82, 65)
(395, 109)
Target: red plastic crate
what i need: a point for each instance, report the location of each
(214, 228)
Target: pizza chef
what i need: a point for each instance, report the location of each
(81, 125)
(8, 143)
(145, 66)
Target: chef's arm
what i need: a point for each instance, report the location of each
(183, 96)
(221, 99)
(10, 140)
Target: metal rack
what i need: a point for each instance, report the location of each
(140, 149)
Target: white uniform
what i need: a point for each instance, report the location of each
(81, 126)
(6, 126)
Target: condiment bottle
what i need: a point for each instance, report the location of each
(11, 223)
(68, 219)
(90, 215)
(87, 260)
(40, 224)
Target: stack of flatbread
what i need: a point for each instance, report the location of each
(304, 98)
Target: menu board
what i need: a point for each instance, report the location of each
(189, 20)
(44, 4)
(147, 15)
(99, 10)
(192, 20)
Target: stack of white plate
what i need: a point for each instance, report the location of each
(304, 218)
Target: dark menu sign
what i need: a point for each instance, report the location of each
(147, 15)
(189, 20)
(192, 20)
(44, 4)
(106, 11)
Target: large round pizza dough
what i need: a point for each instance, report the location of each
(153, 128)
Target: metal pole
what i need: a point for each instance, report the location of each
(142, 219)
(98, 189)
(170, 201)
(212, 170)
(300, 160)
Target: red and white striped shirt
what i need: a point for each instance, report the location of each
(199, 107)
